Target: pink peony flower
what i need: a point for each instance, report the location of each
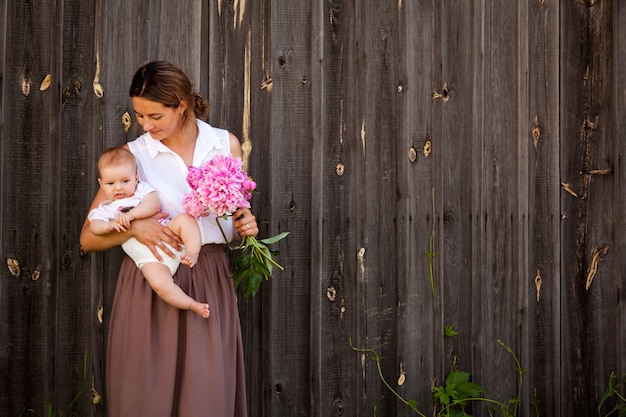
(194, 176)
(193, 206)
(220, 186)
(249, 185)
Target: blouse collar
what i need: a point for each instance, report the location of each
(206, 142)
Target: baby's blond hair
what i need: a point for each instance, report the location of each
(116, 156)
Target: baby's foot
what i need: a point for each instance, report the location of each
(189, 259)
(201, 309)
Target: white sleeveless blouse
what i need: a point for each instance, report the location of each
(160, 167)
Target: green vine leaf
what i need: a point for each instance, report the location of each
(448, 331)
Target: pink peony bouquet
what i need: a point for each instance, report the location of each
(221, 186)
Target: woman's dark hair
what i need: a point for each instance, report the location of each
(163, 82)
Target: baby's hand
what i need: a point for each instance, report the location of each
(117, 227)
(124, 220)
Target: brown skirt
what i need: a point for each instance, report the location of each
(165, 362)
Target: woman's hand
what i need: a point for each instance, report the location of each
(154, 235)
(245, 222)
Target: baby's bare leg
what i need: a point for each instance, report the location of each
(186, 227)
(160, 279)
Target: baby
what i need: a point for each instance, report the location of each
(127, 200)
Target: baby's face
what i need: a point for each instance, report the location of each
(119, 181)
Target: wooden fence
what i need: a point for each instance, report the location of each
(440, 164)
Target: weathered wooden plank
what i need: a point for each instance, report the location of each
(604, 210)
(587, 95)
(540, 351)
(29, 210)
(75, 373)
(619, 261)
(502, 198)
(338, 180)
(460, 88)
(418, 152)
(289, 155)
(327, 361)
(5, 312)
(230, 51)
(332, 288)
(371, 157)
(170, 32)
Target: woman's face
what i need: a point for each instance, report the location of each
(158, 120)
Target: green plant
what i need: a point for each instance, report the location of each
(64, 413)
(430, 253)
(535, 402)
(255, 263)
(412, 404)
(616, 383)
(448, 331)
(456, 394)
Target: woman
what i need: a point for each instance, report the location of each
(162, 361)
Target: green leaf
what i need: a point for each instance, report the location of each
(457, 377)
(448, 331)
(440, 394)
(467, 390)
(252, 286)
(274, 239)
(459, 413)
(451, 391)
(412, 404)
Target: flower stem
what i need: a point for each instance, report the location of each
(217, 220)
(260, 254)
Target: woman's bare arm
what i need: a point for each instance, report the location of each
(147, 231)
(103, 227)
(90, 242)
(235, 146)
